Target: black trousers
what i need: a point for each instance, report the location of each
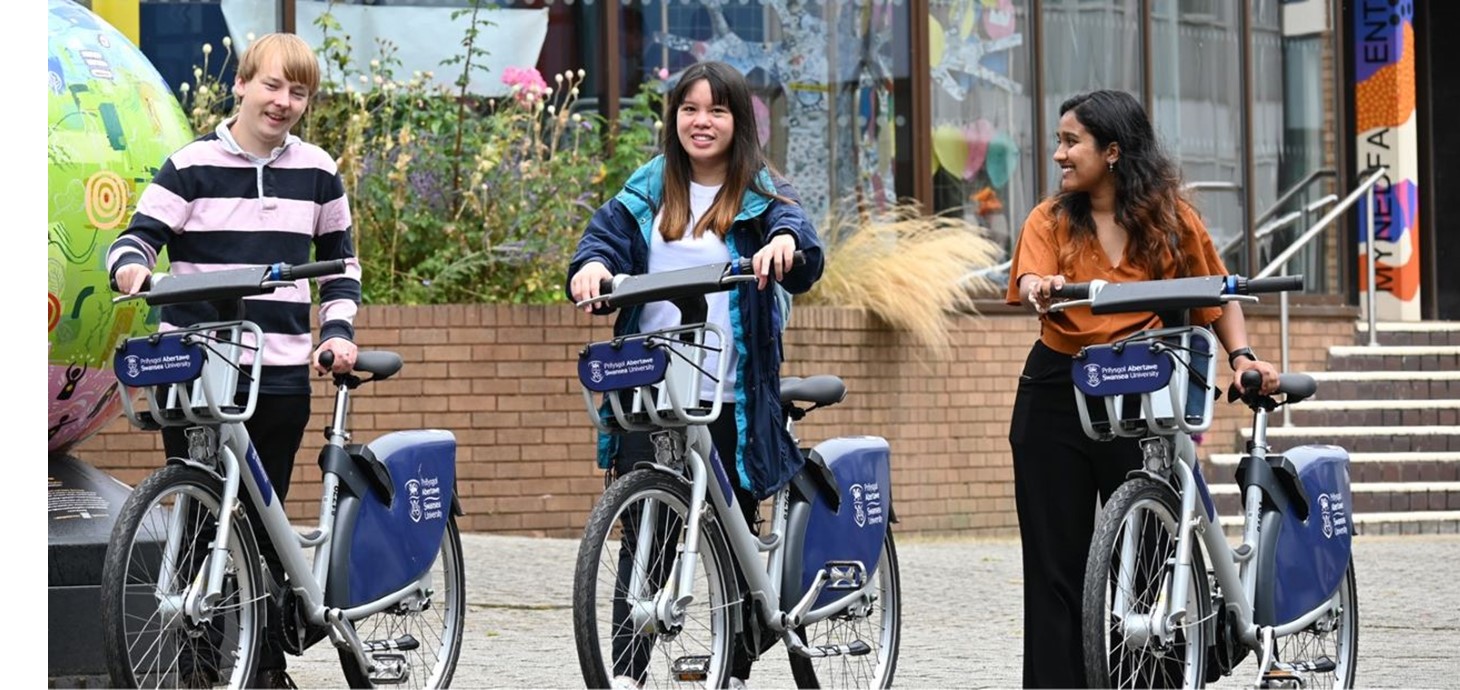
(276, 429)
(630, 652)
(1058, 473)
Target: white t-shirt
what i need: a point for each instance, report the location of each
(687, 252)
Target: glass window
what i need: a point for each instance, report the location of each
(982, 104)
(1197, 109)
(1087, 45)
(821, 74)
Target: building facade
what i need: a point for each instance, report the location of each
(1276, 110)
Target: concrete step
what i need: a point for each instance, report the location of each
(1411, 332)
(1363, 467)
(1363, 439)
(1402, 522)
(1368, 497)
(1386, 385)
(1394, 358)
(1373, 413)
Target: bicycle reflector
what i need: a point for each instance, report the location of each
(158, 360)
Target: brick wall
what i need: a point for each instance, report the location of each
(503, 379)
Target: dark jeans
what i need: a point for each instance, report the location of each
(631, 652)
(1058, 473)
(276, 429)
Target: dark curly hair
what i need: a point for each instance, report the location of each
(1148, 194)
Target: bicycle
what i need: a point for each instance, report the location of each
(666, 547)
(1167, 599)
(185, 595)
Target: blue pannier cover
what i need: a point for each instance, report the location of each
(619, 365)
(1130, 370)
(158, 360)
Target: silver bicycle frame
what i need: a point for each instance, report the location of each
(202, 402)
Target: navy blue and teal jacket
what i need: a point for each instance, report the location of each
(618, 236)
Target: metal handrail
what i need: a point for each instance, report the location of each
(1280, 262)
(1278, 223)
(1293, 191)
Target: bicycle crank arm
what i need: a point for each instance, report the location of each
(794, 643)
(343, 635)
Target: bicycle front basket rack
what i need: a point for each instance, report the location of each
(189, 376)
(652, 380)
(1134, 387)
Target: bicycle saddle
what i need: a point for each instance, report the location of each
(823, 389)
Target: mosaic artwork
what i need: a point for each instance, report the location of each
(111, 121)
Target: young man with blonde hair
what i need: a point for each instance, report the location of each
(252, 193)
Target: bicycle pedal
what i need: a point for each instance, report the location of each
(857, 648)
(404, 643)
(691, 669)
(389, 669)
(1280, 678)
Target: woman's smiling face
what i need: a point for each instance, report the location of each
(1084, 166)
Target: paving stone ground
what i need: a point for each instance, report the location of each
(962, 621)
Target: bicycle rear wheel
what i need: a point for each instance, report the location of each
(1128, 574)
(628, 557)
(878, 624)
(152, 578)
(416, 642)
(1332, 638)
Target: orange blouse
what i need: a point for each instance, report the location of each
(1067, 331)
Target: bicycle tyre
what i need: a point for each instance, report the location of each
(1335, 637)
(147, 640)
(596, 591)
(1179, 661)
(875, 669)
(437, 624)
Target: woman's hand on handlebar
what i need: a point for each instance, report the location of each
(1037, 290)
(586, 282)
(777, 255)
(1266, 369)
(344, 351)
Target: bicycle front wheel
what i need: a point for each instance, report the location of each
(878, 623)
(1129, 579)
(157, 628)
(1323, 654)
(416, 642)
(624, 590)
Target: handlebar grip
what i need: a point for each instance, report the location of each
(744, 264)
(314, 269)
(1072, 291)
(605, 286)
(327, 359)
(1279, 284)
(1251, 381)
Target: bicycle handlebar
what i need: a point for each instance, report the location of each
(629, 290)
(229, 284)
(1168, 294)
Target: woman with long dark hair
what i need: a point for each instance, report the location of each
(710, 197)
(1119, 216)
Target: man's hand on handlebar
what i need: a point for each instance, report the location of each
(131, 277)
(778, 255)
(1037, 290)
(344, 351)
(586, 282)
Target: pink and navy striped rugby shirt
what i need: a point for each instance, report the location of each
(214, 206)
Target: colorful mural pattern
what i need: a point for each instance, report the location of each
(1384, 114)
(110, 122)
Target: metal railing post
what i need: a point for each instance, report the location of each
(1373, 319)
(1283, 336)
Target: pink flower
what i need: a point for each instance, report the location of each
(528, 80)
(663, 73)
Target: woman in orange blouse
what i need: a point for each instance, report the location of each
(1119, 216)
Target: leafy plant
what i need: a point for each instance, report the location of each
(912, 271)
